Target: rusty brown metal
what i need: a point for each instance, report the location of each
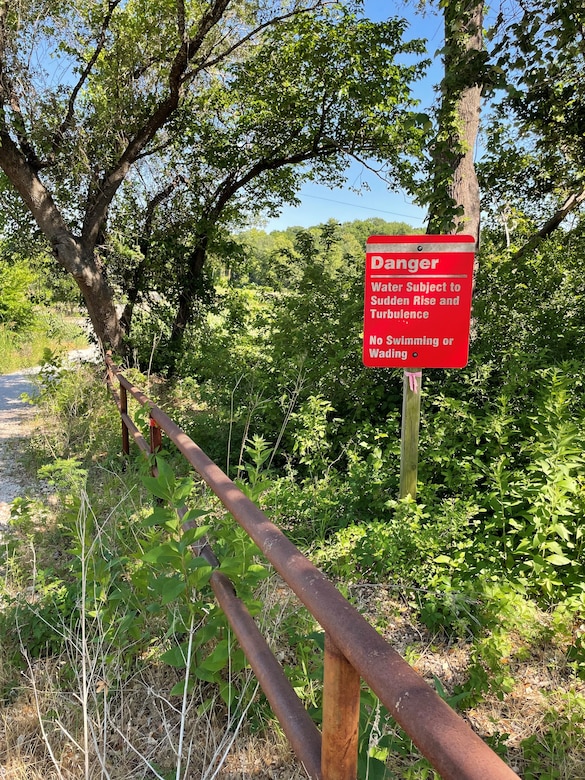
(297, 725)
(441, 735)
(128, 425)
(341, 714)
(300, 730)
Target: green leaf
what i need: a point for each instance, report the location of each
(205, 674)
(218, 658)
(173, 588)
(193, 535)
(179, 688)
(558, 560)
(164, 484)
(194, 514)
(182, 490)
(165, 552)
(176, 656)
(231, 567)
(160, 516)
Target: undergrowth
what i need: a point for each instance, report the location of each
(107, 616)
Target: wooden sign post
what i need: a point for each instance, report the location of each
(411, 390)
(417, 311)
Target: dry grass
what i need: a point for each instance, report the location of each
(134, 727)
(545, 704)
(83, 715)
(134, 732)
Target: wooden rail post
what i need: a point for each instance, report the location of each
(155, 442)
(341, 714)
(124, 411)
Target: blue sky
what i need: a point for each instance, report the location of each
(318, 202)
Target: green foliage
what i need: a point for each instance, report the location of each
(169, 583)
(258, 370)
(539, 58)
(68, 392)
(527, 311)
(278, 390)
(48, 331)
(41, 628)
(16, 307)
(500, 468)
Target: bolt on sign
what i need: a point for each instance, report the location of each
(417, 307)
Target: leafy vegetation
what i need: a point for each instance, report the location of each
(489, 559)
(143, 193)
(29, 321)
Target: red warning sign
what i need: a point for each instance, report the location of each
(417, 307)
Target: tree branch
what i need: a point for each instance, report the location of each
(571, 203)
(59, 134)
(186, 53)
(8, 96)
(209, 63)
(3, 9)
(229, 186)
(38, 200)
(134, 283)
(97, 211)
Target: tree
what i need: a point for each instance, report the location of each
(535, 147)
(316, 91)
(132, 106)
(453, 197)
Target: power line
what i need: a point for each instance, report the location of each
(367, 208)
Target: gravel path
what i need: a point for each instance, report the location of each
(16, 419)
(16, 424)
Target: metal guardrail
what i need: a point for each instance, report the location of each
(353, 648)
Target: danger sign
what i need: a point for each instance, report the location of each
(417, 306)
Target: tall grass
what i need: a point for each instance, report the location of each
(86, 713)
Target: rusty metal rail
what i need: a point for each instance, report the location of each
(353, 648)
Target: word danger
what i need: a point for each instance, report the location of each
(411, 264)
(417, 301)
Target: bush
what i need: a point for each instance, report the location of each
(16, 308)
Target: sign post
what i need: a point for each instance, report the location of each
(409, 433)
(417, 311)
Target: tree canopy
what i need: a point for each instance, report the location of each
(221, 101)
(532, 168)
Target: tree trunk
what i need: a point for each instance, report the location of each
(192, 289)
(455, 202)
(465, 188)
(77, 257)
(97, 294)
(80, 261)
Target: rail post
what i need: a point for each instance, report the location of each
(155, 442)
(124, 411)
(341, 714)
